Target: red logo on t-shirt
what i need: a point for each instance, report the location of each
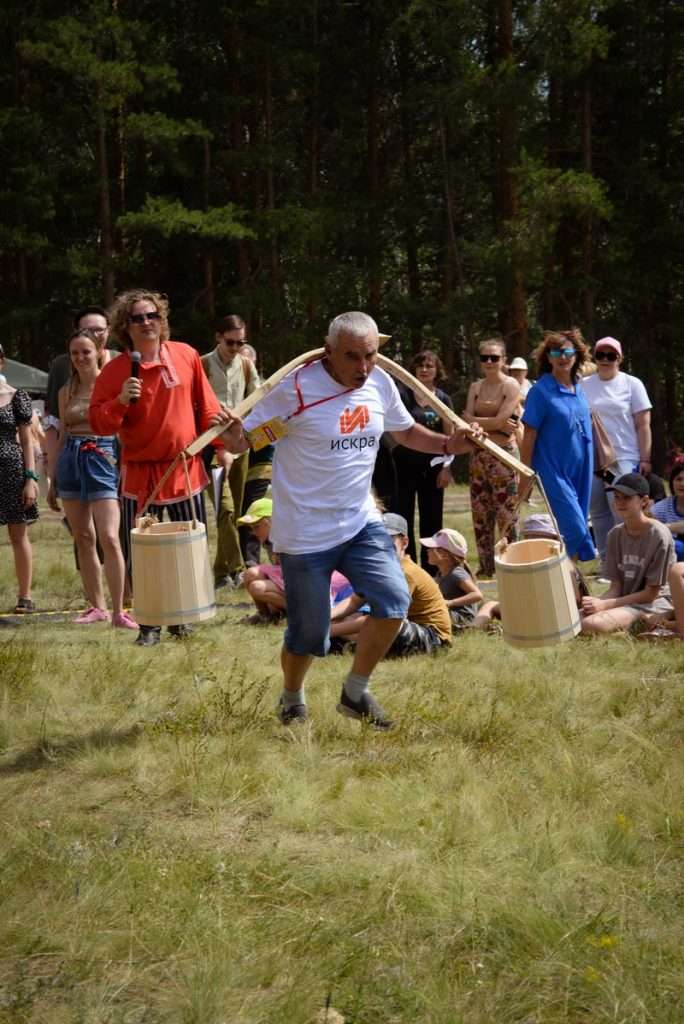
(353, 419)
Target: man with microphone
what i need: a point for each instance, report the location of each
(157, 398)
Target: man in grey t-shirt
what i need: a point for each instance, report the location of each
(639, 555)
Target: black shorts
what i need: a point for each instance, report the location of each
(413, 638)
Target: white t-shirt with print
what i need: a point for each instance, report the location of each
(322, 469)
(617, 401)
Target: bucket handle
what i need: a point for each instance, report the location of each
(165, 477)
(536, 480)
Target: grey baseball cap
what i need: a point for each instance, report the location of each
(395, 525)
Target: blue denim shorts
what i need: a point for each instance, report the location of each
(86, 469)
(371, 565)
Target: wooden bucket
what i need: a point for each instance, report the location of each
(172, 579)
(536, 593)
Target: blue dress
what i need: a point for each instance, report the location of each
(563, 457)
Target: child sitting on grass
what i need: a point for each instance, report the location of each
(536, 527)
(639, 556)
(447, 550)
(427, 627)
(264, 583)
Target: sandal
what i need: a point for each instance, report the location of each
(24, 606)
(659, 633)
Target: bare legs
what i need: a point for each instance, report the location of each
(374, 639)
(107, 516)
(609, 622)
(105, 513)
(295, 667)
(267, 597)
(23, 557)
(676, 581)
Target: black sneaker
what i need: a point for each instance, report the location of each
(295, 714)
(180, 632)
(365, 710)
(224, 582)
(338, 645)
(148, 636)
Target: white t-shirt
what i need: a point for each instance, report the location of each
(617, 401)
(322, 469)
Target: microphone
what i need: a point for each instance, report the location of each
(135, 370)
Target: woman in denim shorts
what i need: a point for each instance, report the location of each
(87, 482)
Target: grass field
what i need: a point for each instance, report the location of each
(512, 852)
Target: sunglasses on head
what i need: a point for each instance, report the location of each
(606, 356)
(141, 318)
(556, 353)
(489, 357)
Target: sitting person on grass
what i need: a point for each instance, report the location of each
(639, 555)
(447, 550)
(264, 583)
(427, 626)
(536, 527)
(671, 510)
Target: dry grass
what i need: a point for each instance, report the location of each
(512, 853)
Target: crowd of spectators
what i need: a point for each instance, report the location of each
(341, 565)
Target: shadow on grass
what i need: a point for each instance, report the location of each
(46, 754)
(10, 621)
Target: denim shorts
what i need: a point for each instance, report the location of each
(371, 565)
(86, 469)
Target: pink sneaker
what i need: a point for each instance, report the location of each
(124, 621)
(92, 615)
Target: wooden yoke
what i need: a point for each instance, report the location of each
(392, 368)
(448, 414)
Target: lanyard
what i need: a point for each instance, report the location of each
(302, 406)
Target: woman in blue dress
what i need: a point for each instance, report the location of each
(557, 442)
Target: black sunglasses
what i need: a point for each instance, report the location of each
(610, 357)
(141, 318)
(487, 357)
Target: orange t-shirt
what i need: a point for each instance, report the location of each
(428, 607)
(176, 405)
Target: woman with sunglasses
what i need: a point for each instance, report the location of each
(417, 478)
(155, 412)
(494, 403)
(557, 442)
(625, 410)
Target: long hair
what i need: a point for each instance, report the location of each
(121, 308)
(99, 344)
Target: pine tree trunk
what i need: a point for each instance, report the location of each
(587, 240)
(106, 244)
(208, 255)
(373, 149)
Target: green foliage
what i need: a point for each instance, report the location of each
(471, 174)
(168, 217)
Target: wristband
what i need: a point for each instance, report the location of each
(445, 442)
(30, 474)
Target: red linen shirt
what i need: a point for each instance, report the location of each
(176, 405)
